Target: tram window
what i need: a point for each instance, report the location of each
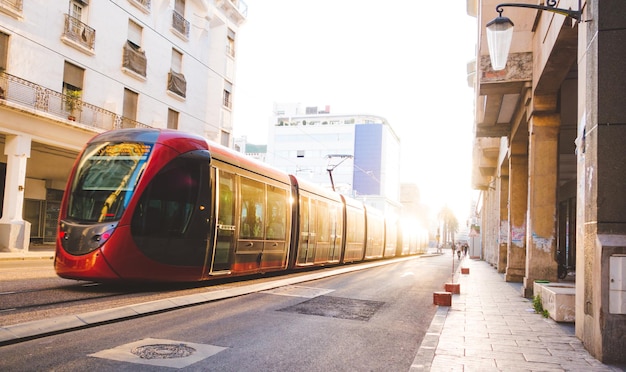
(276, 202)
(166, 206)
(106, 179)
(252, 209)
(226, 213)
(323, 230)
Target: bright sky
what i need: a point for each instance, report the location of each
(400, 59)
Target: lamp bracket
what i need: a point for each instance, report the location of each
(550, 7)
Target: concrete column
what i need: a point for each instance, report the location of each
(518, 196)
(601, 203)
(542, 193)
(14, 231)
(491, 226)
(503, 191)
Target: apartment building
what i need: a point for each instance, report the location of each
(72, 69)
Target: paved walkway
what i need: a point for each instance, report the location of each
(491, 327)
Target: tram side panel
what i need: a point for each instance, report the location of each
(319, 227)
(355, 231)
(374, 245)
(391, 237)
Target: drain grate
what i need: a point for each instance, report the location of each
(337, 307)
(163, 351)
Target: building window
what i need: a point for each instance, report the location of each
(225, 139)
(75, 30)
(135, 32)
(76, 10)
(129, 111)
(72, 89)
(230, 47)
(179, 23)
(176, 82)
(177, 61)
(134, 58)
(172, 119)
(228, 87)
(4, 51)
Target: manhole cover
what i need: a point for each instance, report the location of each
(337, 307)
(160, 352)
(163, 351)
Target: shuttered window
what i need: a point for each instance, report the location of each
(130, 104)
(4, 50)
(73, 76)
(179, 7)
(177, 61)
(172, 119)
(134, 33)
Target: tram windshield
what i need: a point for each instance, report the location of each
(105, 180)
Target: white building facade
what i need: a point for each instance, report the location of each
(362, 152)
(72, 69)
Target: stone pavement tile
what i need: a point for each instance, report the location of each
(469, 340)
(446, 363)
(450, 349)
(516, 338)
(479, 364)
(517, 366)
(514, 356)
(561, 346)
(516, 349)
(497, 331)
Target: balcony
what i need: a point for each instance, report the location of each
(22, 95)
(79, 33)
(144, 5)
(180, 24)
(12, 7)
(237, 10)
(134, 59)
(176, 83)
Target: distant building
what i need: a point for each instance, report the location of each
(252, 150)
(362, 152)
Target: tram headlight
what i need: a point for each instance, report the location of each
(101, 238)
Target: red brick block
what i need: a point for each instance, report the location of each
(442, 298)
(465, 270)
(453, 288)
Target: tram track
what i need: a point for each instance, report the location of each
(50, 296)
(24, 300)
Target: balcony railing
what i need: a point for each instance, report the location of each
(180, 24)
(176, 83)
(15, 90)
(14, 6)
(241, 6)
(79, 32)
(134, 59)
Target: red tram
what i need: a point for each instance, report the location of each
(168, 206)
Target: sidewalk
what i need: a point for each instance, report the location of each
(491, 327)
(35, 252)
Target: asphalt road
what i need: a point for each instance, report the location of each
(367, 320)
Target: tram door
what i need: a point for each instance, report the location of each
(306, 249)
(225, 229)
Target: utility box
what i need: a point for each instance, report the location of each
(617, 284)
